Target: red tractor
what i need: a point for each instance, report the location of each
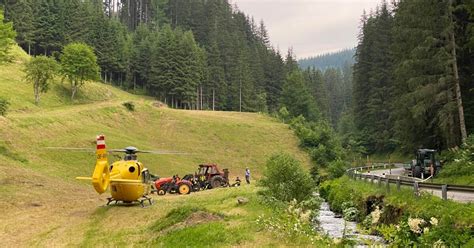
(173, 185)
(211, 176)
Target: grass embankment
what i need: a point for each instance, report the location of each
(43, 204)
(456, 180)
(455, 220)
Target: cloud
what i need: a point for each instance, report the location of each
(309, 26)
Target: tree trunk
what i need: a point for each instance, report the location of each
(74, 89)
(213, 99)
(134, 82)
(462, 122)
(36, 88)
(197, 99)
(201, 99)
(240, 96)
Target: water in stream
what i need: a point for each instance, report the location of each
(333, 226)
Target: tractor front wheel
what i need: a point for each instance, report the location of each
(184, 189)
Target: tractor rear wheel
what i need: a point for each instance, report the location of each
(417, 172)
(184, 189)
(216, 181)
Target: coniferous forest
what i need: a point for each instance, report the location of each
(188, 54)
(413, 75)
(411, 84)
(337, 59)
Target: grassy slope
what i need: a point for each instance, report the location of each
(42, 202)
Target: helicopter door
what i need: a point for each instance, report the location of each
(146, 176)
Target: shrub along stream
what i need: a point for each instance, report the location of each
(403, 219)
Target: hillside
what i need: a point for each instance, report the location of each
(44, 205)
(329, 60)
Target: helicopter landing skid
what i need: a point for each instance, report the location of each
(140, 200)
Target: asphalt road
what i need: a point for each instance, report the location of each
(399, 170)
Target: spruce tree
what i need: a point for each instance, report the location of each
(7, 36)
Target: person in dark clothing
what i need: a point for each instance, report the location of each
(237, 182)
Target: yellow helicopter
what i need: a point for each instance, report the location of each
(128, 179)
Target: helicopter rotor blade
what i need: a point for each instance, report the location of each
(72, 149)
(91, 150)
(116, 150)
(163, 152)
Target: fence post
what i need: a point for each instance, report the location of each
(372, 179)
(444, 191)
(379, 183)
(388, 185)
(416, 188)
(398, 183)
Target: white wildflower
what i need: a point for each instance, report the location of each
(439, 244)
(290, 209)
(376, 215)
(304, 217)
(426, 230)
(415, 224)
(297, 211)
(434, 221)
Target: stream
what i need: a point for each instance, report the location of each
(333, 226)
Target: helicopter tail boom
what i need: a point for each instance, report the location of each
(101, 175)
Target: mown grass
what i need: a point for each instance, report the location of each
(162, 224)
(44, 205)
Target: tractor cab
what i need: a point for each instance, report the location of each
(426, 156)
(213, 175)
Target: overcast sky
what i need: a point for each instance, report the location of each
(311, 27)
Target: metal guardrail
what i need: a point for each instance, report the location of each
(399, 181)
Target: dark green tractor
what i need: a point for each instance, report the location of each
(425, 163)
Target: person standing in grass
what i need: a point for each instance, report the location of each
(247, 175)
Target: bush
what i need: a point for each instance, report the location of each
(283, 114)
(130, 106)
(337, 169)
(3, 107)
(462, 163)
(285, 179)
(319, 139)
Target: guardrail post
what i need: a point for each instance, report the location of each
(372, 179)
(416, 188)
(398, 183)
(444, 191)
(388, 184)
(379, 183)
